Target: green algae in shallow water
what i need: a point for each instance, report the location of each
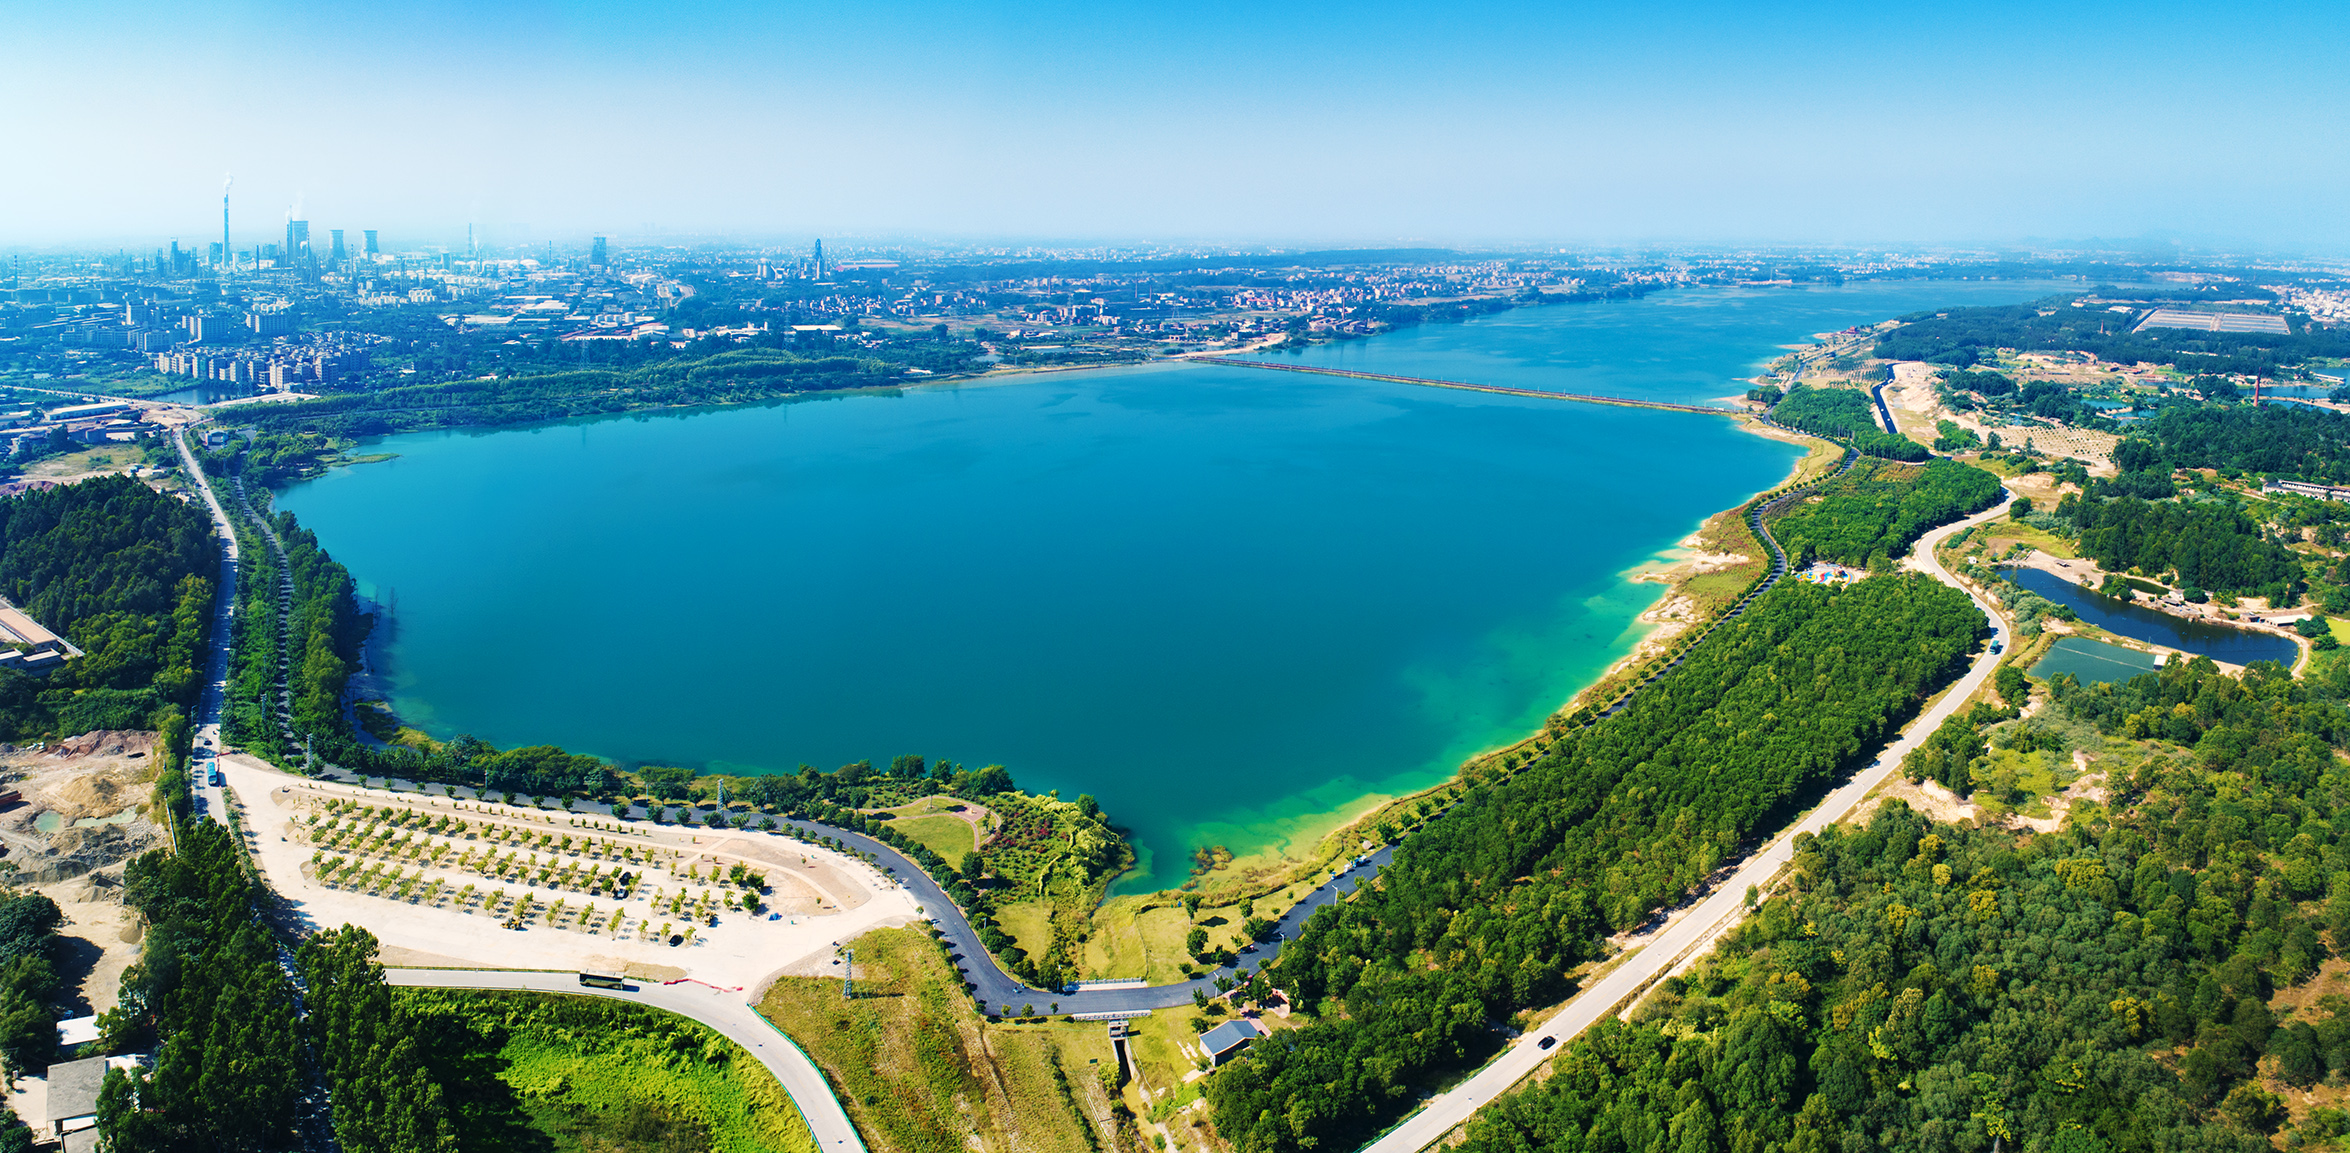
(2093, 662)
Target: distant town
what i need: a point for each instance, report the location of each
(306, 313)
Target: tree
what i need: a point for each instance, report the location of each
(28, 921)
(383, 1096)
(2013, 686)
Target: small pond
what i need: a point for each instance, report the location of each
(50, 822)
(2220, 642)
(2092, 662)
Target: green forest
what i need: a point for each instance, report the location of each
(209, 998)
(720, 378)
(126, 574)
(370, 1055)
(1963, 337)
(1844, 414)
(2112, 986)
(2212, 544)
(1877, 510)
(1485, 911)
(29, 985)
(2288, 440)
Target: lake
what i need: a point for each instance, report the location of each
(1684, 347)
(1233, 605)
(2121, 618)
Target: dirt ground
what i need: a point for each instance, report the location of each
(93, 777)
(818, 898)
(1917, 410)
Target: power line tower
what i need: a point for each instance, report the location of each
(848, 974)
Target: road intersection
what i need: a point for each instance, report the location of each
(1669, 944)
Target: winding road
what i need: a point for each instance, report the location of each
(724, 1012)
(999, 992)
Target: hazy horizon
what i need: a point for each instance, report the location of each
(1499, 125)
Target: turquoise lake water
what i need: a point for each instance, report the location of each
(1687, 347)
(1228, 603)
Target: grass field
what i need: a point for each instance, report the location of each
(945, 834)
(99, 458)
(937, 823)
(1999, 536)
(920, 1071)
(1822, 459)
(1030, 925)
(539, 1072)
(1137, 936)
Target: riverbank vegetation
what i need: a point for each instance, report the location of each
(1489, 906)
(2147, 976)
(1056, 856)
(730, 377)
(312, 639)
(1876, 511)
(918, 1069)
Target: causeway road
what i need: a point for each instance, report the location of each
(1466, 386)
(1679, 938)
(722, 1011)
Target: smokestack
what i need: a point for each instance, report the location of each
(226, 252)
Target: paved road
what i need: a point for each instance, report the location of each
(1884, 414)
(224, 608)
(1663, 947)
(722, 1011)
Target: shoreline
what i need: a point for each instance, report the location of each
(1274, 844)
(1675, 609)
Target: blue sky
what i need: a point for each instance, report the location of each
(1359, 123)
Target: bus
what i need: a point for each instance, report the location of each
(605, 981)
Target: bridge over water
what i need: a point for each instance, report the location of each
(1584, 397)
